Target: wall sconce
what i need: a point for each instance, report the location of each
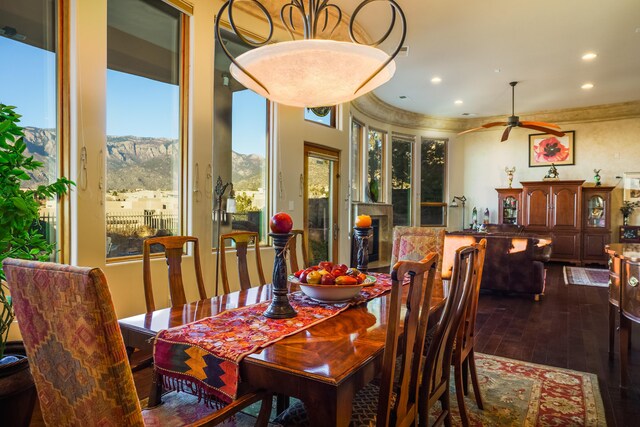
(454, 204)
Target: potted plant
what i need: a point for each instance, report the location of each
(627, 209)
(20, 237)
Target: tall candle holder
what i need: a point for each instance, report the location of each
(362, 236)
(280, 308)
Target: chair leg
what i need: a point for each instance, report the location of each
(624, 351)
(471, 360)
(612, 328)
(465, 376)
(457, 373)
(446, 406)
(265, 411)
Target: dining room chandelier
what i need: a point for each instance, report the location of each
(315, 70)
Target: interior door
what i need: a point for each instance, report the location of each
(321, 189)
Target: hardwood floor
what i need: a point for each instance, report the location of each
(567, 328)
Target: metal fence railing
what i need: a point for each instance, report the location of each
(133, 222)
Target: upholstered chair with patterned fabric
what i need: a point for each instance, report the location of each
(77, 355)
(413, 243)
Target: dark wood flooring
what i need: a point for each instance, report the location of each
(567, 328)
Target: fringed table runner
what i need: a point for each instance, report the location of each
(203, 357)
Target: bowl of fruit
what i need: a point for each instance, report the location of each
(328, 282)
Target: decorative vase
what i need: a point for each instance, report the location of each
(625, 220)
(17, 390)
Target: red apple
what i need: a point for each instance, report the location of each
(328, 279)
(281, 223)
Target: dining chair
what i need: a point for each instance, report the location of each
(242, 240)
(463, 359)
(393, 399)
(437, 367)
(77, 354)
(173, 247)
(292, 249)
(412, 243)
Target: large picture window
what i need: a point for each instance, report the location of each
(401, 159)
(144, 123)
(29, 81)
(241, 147)
(433, 153)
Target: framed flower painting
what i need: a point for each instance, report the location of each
(545, 149)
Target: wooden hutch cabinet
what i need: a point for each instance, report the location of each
(596, 226)
(555, 207)
(509, 205)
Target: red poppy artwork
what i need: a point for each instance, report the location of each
(545, 149)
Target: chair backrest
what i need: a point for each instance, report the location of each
(242, 240)
(413, 243)
(437, 365)
(173, 249)
(466, 331)
(73, 341)
(292, 249)
(410, 348)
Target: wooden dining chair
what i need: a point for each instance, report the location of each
(242, 241)
(292, 249)
(77, 354)
(393, 399)
(463, 359)
(437, 367)
(173, 249)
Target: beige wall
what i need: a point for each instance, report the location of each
(611, 145)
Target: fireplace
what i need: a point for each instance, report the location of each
(382, 234)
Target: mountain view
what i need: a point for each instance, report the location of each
(138, 162)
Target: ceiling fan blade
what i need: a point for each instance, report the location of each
(543, 124)
(505, 134)
(492, 124)
(543, 129)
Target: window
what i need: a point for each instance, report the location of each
(145, 116)
(375, 165)
(323, 115)
(401, 159)
(28, 42)
(433, 156)
(357, 131)
(241, 142)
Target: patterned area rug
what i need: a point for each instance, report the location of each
(519, 393)
(586, 276)
(516, 393)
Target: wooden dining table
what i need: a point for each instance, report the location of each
(324, 365)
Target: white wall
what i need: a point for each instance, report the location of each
(611, 145)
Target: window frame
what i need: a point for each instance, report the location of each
(334, 114)
(443, 204)
(356, 175)
(186, 11)
(410, 139)
(382, 187)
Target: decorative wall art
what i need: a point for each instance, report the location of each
(545, 149)
(632, 186)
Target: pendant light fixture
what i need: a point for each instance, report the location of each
(313, 71)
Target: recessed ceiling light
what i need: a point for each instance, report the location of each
(436, 80)
(497, 70)
(589, 56)
(458, 102)
(587, 86)
(468, 114)
(403, 97)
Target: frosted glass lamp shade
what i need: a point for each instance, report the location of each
(313, 73)
(231, 205)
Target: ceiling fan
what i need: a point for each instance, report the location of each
(514, 121)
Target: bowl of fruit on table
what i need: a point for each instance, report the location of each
(328, 282)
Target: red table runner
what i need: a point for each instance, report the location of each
(203, 357)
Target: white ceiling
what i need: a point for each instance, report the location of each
(538, 43)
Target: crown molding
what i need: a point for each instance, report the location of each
(373, 107)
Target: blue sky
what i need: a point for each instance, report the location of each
(135, 105)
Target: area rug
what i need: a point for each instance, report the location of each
(519, 393)
(586, 276)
